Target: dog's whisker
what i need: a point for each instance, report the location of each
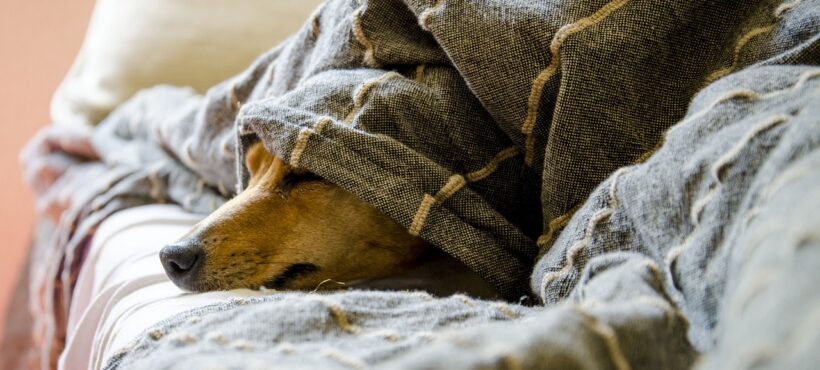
(325, 281)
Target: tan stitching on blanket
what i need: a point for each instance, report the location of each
(554, 225)
(361, 38)
(156, 183)
(241, 301)
(222, 190)
(464, 299)
(669, 309)
(242, 345)
(122, 351)
(315, 26)
(730, 95)
(728, 157)
(750, 215)
(422, 295)
(270, 73)
(747, 94)
(506, 311)
(785, 7)
(343, 359)
(700, 204)
(741, 43)
(235, 103)
(424, 17)
(301, 144)
(561, 221)
(426, 335)
(302, 140)
(339, 315)
(360, 94)
(420, 72)
(454, 184)
(186, 156)
(156, 334)
(421, 214)
(286, 347)
(607, 334)
(492, 165)
(575, 249)
(646, 155)
(386, 334)
(182, 338)
(217, 337)
(736, 55)
(322, 124)
(244, 128)
(654, 269)
(541, 80)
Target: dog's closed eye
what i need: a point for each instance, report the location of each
(292, 272)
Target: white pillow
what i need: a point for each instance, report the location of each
(131, 45)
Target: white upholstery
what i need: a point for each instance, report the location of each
(122, 289)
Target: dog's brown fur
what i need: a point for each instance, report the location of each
(292, 230)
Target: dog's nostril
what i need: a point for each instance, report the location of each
(180, 260)
(183, 265)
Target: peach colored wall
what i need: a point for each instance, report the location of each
(38, 42)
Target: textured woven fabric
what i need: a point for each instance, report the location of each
(709, 247)
(690, 211)
(482, 126)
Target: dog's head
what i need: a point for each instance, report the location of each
(288, 230)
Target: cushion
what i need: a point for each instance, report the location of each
(131, 45)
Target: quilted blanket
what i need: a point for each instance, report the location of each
(525, 139)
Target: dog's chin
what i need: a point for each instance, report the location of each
(202, 286)
(203, 283)
(287, 278)
(190, 287)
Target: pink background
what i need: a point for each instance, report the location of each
(38, 42)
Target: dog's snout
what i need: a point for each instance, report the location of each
(182, 262)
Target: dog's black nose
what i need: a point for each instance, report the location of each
(182, 263)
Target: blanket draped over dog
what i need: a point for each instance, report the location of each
(526, 139)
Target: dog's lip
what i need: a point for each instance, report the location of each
(290, 273)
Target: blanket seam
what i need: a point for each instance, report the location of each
(541, 79)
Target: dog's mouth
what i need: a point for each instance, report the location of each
(291, 273)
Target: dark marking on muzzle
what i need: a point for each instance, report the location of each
(292, 272)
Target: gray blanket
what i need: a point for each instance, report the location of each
(499, 132)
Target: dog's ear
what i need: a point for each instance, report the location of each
(257, 158)
(273, 173)
(266, 169)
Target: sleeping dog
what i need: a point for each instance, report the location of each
(291, 230)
